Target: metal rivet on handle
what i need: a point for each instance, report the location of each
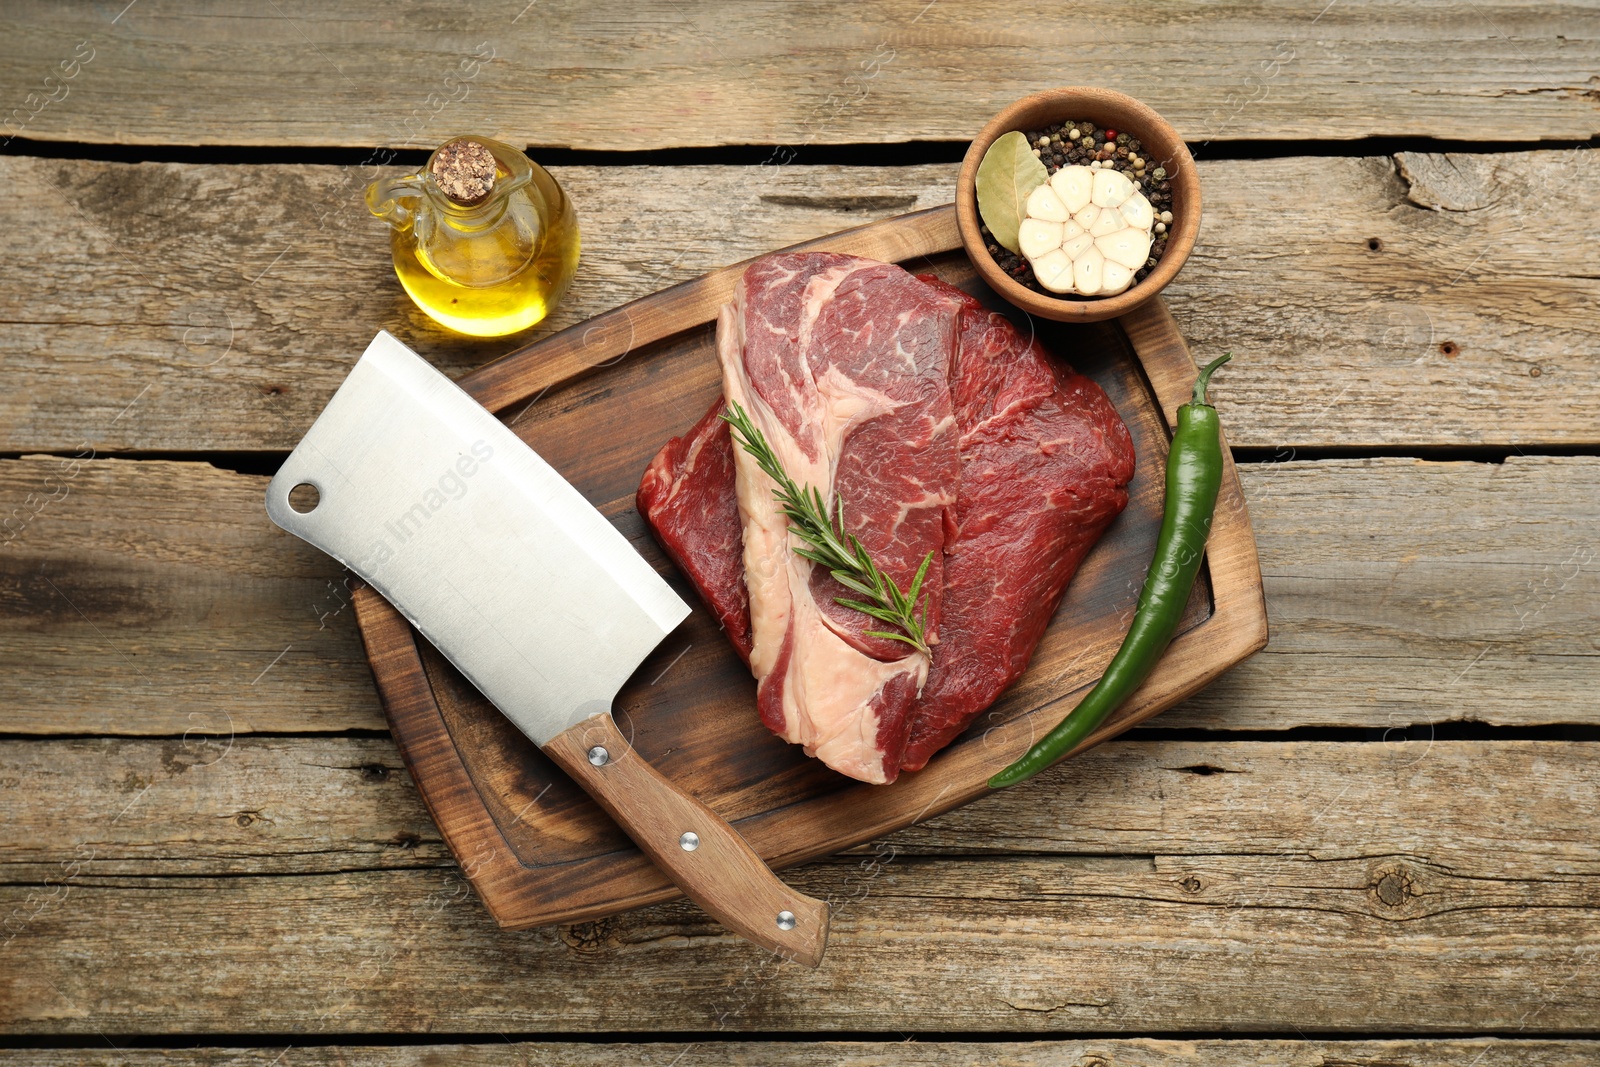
(599, 756)
(688, 840)
(787, 921)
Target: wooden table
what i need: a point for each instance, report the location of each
(1376, 842)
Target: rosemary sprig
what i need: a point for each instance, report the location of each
(828, 545)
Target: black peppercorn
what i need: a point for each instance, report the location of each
(1080, 144)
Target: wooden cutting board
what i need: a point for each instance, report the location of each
(597, 401)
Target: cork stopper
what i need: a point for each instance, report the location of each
(464, 171)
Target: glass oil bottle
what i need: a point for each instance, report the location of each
(483, 238)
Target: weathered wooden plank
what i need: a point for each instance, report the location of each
(211, 805)
(1404, 591)
(177, 307)
(1104, 1052)
(1502, 809)
(1017, 943)
(1499, 809)
(663, 74)
(154, 597)
(1204, 886)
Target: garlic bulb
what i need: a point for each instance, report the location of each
(1086, 232)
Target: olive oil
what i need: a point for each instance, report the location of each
(494, 286)
(489, 267)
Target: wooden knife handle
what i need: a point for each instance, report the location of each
(696, 848)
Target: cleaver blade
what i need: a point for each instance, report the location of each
(533, 595)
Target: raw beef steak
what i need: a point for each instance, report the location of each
(1043, 460)
(843, 364)
(687, 496)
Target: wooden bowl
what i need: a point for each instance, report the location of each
(1107, 109)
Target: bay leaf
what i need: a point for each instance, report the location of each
(1008, 173)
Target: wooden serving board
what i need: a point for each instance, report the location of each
(597, 401)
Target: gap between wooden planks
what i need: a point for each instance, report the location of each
(154, 597)
(662, 73)
(1386, 301)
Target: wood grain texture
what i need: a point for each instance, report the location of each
(662, 74)
(209, 806)
(1103, 1052)
(1165, 886)
(156, 597)
(208, 880)
(338, 805)
(1017, 943)
(162, 314)
(1400, 592)
(716, 869)
(1403, 591)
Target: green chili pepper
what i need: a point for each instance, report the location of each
(1194, 474)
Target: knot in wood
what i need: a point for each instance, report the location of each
(1393, 886)
(589, 936)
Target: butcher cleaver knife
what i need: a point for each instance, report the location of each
(533, 595)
